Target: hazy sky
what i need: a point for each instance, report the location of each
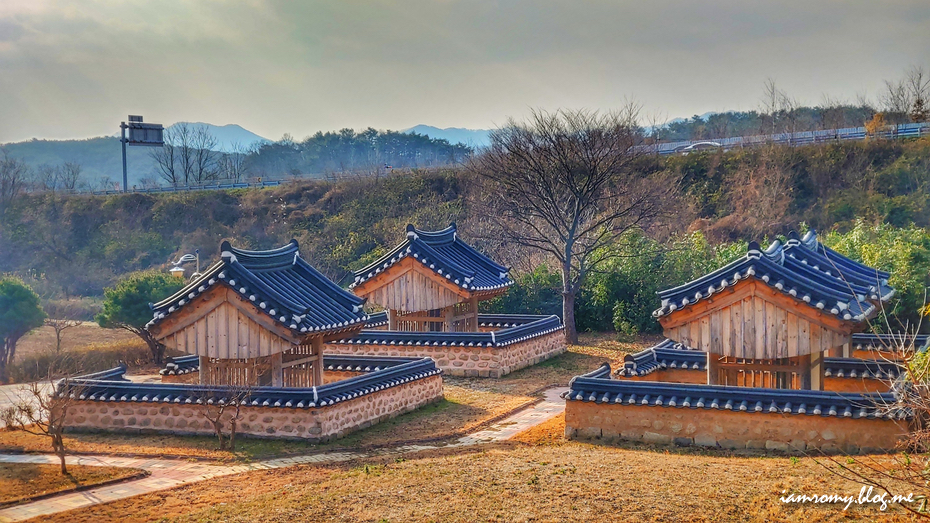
(75, 68)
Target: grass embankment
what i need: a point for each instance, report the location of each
(468, 403)
(20, 482)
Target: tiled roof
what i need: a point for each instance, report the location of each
(667, 354)
(859, 368)
(672, 355)
(281, 284)
(595, 387)
(181, 365)
(379, 374)
(890, 342)
(447, 255)
(801, 268)
(501, 338)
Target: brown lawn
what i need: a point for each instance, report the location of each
(21, 481)
(541, 479)
(88, 333)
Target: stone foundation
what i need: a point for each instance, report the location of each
(312, 424)
(484, 362)
(729, 429)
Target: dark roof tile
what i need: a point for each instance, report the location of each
(281, 284)
(447, 255)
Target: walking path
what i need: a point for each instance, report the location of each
(168, 473)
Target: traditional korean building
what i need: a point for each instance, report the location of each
(769, 318)
(432, 281)
(258, 318)
(757, 358)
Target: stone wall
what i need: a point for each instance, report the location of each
(484, 362)
(316, 424)
(728, 429)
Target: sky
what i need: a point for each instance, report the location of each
(76, 68)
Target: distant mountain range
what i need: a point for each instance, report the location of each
(101, 157)
(470, 137)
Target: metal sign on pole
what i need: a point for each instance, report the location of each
(140, 134)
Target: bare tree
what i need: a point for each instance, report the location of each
(832, 113)
(203, 155)
(60, 325)
(232, 163)
(563, 183)
(657, 122)
(15, 176)
(918, 86)
(771, 97)
(70, 176)
(189, 155)
(41, 408)
(222, 407)
(166, 160)
(895, 101)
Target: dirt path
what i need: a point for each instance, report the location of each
(167, 473)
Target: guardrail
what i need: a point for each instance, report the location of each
(913, 130)
(204, 187)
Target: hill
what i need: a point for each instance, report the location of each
(871, 193)
(470, 137)
(229, 136)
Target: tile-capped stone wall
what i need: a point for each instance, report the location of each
(313, 424)
(484, 362)
(729, 429)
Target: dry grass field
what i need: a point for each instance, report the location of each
(88, 333)
(22, 481)
(539, 477)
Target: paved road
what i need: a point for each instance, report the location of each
(167, 473)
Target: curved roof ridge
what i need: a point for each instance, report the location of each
(447, 235)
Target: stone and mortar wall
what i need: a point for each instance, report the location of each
(319, 424)
(483, 362)
(729, 429)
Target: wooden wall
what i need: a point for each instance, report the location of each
(408, 286)
(751, 321)
(219, 324)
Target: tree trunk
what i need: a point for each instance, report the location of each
(59, 447)
(218, 428)
(232, 436)
(568, 317)
(156, 348)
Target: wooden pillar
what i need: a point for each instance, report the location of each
(817, 369)
(204, 370)
(448, 314)
(474, 311)
(805, 368)
(277, 369)
(392, 320)
(713, 368)
(316, 345)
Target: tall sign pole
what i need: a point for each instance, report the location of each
(147, 134)
(122, 140)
